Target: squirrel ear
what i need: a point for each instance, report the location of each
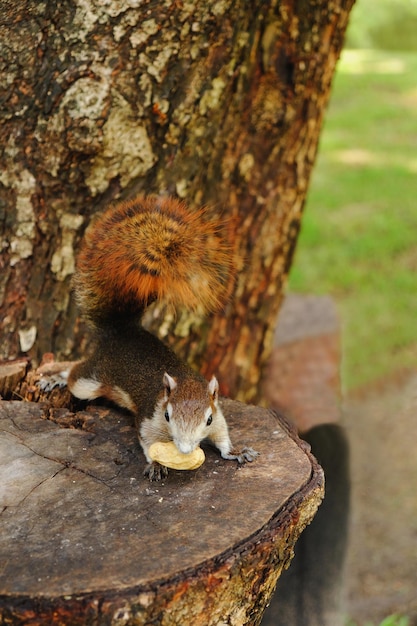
(213, 387)
(169, 383)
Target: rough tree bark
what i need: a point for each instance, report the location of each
(220, 102)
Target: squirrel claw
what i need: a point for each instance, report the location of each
(49, 382)
(246, 455)
(155, 471)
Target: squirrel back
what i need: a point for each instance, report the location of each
(151, 248)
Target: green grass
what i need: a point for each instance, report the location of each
(359, 233)
(383, 24)
(392, 620)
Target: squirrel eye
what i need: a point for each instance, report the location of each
(209, 420)
(167, 416)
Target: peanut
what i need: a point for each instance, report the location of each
(167, 453)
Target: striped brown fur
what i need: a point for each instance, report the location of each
(150, 248)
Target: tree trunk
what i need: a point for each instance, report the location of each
(219, 102)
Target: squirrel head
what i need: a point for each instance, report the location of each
(190, 408)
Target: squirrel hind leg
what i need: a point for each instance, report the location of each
(90, 389)
(85, 388)
(84, 384)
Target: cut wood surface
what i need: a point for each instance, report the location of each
(86, 539)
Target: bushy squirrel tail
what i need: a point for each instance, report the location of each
(151, 248)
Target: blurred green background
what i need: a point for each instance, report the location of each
(359, 230)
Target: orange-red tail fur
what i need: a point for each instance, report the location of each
(152, 248)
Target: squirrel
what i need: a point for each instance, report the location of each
(138, 251)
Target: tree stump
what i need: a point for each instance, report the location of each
(86, 539)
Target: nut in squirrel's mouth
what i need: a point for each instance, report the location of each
(167, 454)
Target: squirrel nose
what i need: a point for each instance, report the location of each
(185, 447)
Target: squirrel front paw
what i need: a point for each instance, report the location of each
(246, 455)
(155, 471)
